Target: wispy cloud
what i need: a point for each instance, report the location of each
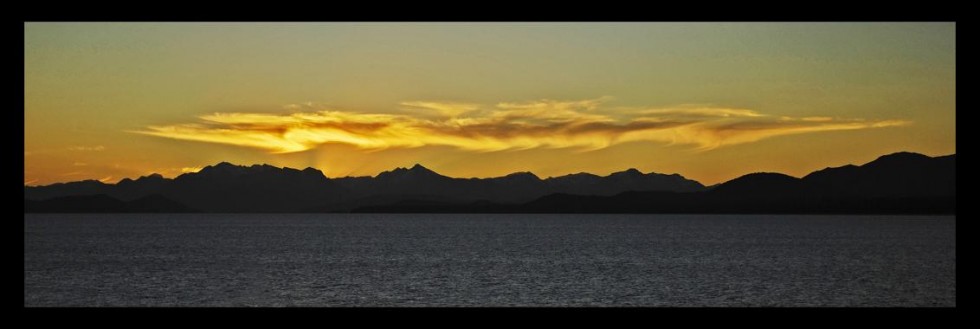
(190, 169)
(445, 109)
(687, 111)
(80, 148)
(584, 124)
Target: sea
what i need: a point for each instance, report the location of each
(480, 260)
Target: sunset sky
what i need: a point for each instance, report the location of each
(710, 101)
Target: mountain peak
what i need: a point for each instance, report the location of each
(899, 159)
(628, 172)
(311, 170)
(523, 175)
(415, 171)
(153, 176)
(224, 164)
(221, 167)
(759, 182)
(762, 177)
(902, 156)
(418, 169)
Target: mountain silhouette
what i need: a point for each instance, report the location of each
(422, 184)
(901, 174)
(618, 182)
(101, 203)
(85, 187)
(259, 188)
(759, 184)
(225, 187)
(894, 183)
(144, 185)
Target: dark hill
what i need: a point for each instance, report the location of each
(895, 183)
(758, 185)
(902, 183)
(102, 203)
(895, 175)
(258, 188)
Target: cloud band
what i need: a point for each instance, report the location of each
(583, 124)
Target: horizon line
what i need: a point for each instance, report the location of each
(473, 177)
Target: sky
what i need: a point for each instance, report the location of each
(710, 101)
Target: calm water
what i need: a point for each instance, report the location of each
(488, 260)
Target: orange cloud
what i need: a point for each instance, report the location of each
(581, 124)
(190, 169)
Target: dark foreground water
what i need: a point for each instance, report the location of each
(488, 260)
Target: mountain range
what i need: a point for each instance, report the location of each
(896, 183)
